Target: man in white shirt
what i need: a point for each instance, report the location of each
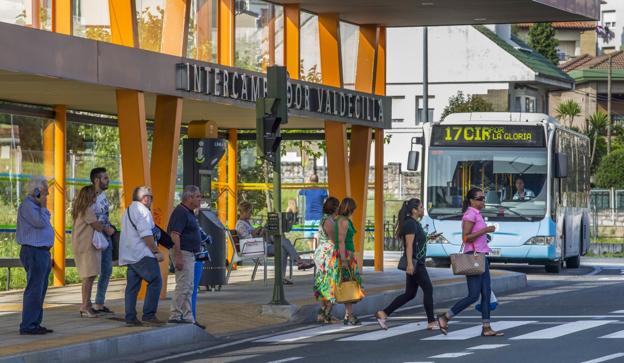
(139, 251)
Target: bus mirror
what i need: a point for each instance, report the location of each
(412, 160)
(561, 165)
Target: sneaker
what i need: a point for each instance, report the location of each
(304, 265)
(200, 326)
(153, 322)
(36, 331)
(46, 330)
(104, 310)
(135, 322)
(179, 321)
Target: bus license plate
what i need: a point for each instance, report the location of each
(495, 252)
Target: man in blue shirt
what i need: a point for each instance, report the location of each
(36, 236)
(314, 199)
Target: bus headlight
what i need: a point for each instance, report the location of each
(540, 240)
(440, 240)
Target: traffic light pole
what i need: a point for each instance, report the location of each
(279, 298)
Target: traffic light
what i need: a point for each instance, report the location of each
(271, 113)
(268, 127)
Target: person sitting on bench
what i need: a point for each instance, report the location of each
(245, 230)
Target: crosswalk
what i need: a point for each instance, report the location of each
(368, 331)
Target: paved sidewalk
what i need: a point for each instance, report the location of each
(234, 309)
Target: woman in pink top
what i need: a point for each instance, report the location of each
(474, 237)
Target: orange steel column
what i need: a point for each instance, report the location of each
(359, 156)
(123, 22)
(232, 172)
(58, 218)
(335, 132)
(291, 40)
(380, 89)
(164, 166)
(133, 141)
(61, 16)
(225, 56)
(175, 27)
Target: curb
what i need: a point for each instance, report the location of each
(372, 303)
(118, 346)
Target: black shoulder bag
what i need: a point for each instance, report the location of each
(160, 236)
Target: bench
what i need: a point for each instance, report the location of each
(10, 263)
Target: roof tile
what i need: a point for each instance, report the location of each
(572, 25)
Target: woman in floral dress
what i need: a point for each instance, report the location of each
(323, 286)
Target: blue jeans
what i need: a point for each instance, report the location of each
(477, 285)
(146, 269)
(311, 223)
(37, 263)
(105, 273)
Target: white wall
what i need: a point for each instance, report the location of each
(618, 7)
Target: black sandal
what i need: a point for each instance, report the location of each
(443, 329)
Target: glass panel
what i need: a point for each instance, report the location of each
(256, 35)
(150, 15)
(310, 48)
(498, 172)
(349, 40)
(202, 33)
(91, 20)
(31, 13)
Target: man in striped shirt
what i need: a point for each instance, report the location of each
(36, 236)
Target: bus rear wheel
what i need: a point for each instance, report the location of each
(553, 267)
(573, 262)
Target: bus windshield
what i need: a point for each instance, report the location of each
(513, 181)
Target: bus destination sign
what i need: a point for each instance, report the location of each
(488, 135)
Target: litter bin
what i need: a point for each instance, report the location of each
(214, 271)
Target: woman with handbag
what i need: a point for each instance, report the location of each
(474, 241)
(412, 262)
(87, 244)
(323, 284)
(346, 276)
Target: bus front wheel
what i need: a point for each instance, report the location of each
(573, 262)
(553, 267)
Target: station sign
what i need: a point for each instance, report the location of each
(483, 135)
(305, 98)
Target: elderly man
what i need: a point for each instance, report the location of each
(36, 236)
(184, 230)
(139, 251)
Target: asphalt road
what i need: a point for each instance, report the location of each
(576, 316)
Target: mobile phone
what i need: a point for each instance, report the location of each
(37, 193)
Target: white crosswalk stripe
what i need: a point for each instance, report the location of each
(616, 335)
(384, 334)
(308, 333)
(564, 329)
(475, 331)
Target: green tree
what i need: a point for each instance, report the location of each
(567, 111)
(150, 28)
(469, 103)
(610, 173)
(597, 124)
(542, 39)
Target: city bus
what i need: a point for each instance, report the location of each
(544, 223)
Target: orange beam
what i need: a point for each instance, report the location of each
(222, 199)
(203, 31)
(167, 122)
(291, 40)
(380, 89)
(175, 25)
(58, 219)
(225, 33)
(335, 132)
(123, 22)
(133, 141)
(48, 161)
(61, 16)
(232, 172)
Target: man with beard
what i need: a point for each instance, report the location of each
(100, 180)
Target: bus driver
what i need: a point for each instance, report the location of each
(521, 192)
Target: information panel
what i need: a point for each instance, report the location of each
(485, 135)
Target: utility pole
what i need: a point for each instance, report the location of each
(609, 105)
(425, 75)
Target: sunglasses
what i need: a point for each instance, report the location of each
(480, 199)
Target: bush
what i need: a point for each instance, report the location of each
(610, 173)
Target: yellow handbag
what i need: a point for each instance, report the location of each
(348, 291)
